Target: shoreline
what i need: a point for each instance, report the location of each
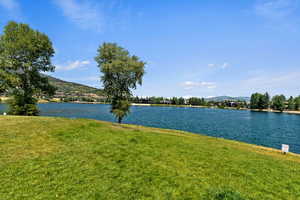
(245, 145)
(292, 112)
(225, 108)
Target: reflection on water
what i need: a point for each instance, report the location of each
(267, 129)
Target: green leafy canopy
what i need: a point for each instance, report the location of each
(121, 72)
(24, 54)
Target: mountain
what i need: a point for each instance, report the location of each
(70, 91)
(72, 88)
(228, 98)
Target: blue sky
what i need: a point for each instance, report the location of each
(192, 48)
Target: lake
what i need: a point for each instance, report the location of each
(261, 128)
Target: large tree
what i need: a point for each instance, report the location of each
(24, 54)
(260, 101)
(278, 102)
(121, 73)
(291, 103)
(297, 103)
(266, 100)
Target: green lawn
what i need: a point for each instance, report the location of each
(57, 158)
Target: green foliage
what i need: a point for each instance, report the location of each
(278, 102)
(24, 53)
(194, 101)
(120, 108)
(175, 101)
(57, 158)
(121, 73)
(291, 103)
(223, 194)
(23, 105)
(260, 101)
(297, 103)
(266, 100)
(178, 101)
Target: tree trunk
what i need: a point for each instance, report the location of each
(119, 120)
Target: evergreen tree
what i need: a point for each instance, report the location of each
(266, 100)
(291, 103)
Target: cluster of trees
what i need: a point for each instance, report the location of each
(260, 101)
(160, 100)
(194, 101)
(293, 103)
(81, 99)
(26, 53)
(278, 102)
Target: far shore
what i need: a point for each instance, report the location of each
(191, 106)
(170, 105)
(226, 108)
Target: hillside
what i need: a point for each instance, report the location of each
(57, 158)
(70, 91)
(73, 88)
(75, 91)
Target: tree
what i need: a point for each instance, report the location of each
(181, 101)
(260, 101)
(266, 100)
(254, 101)
(297, 103)
(122, 72)
(24, 54)
(175, 101)
(278, 102)
(291, 103)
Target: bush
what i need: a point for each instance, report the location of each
(223, 194)
(23, 106)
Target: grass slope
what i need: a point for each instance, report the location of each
(57, 158)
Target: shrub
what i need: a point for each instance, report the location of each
(222, 194)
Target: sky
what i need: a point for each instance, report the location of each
(200, 48)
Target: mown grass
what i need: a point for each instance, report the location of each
(57, 158)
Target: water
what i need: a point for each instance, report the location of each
(266, 129)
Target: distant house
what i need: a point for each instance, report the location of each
(233, 104)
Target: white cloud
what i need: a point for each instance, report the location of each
(12, 6)
(9, 4)
(82, 13)
(222, 66)
(274, 83)
(73, 65)
(202, 84)
(275, 9)
(225, 65)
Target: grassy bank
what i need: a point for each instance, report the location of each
(57, 158)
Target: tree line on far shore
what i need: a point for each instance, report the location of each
(278, 102)
(193, 101)
(258, 101)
